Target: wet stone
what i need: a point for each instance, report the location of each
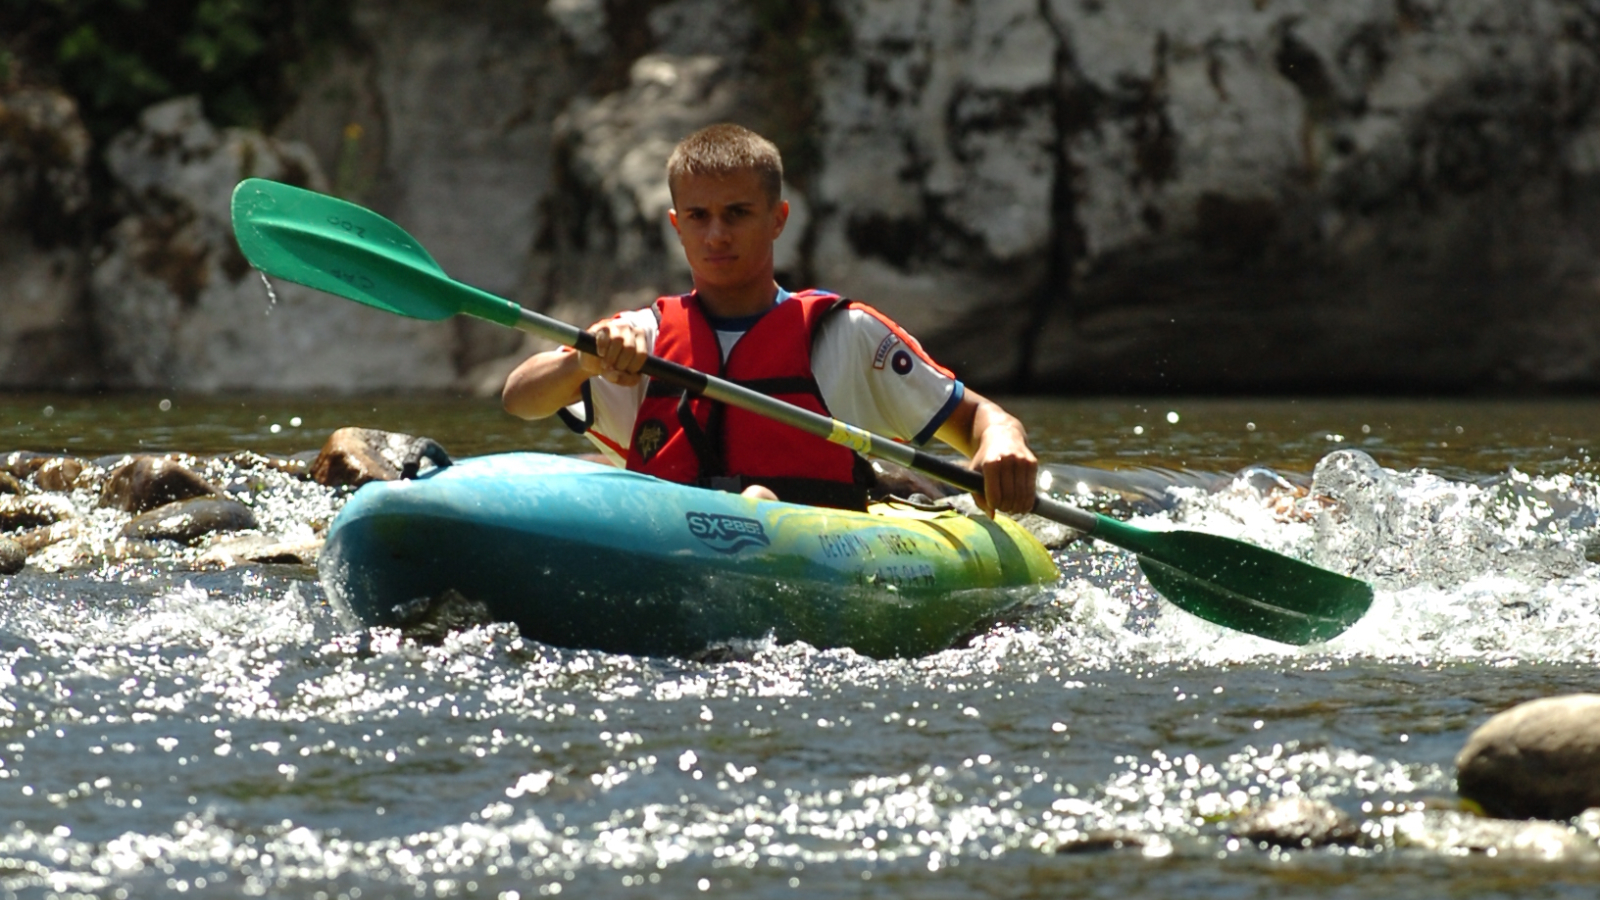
(10, 485)
(22, 513)
(36, 539)
(298, 465)
(186, 521)
(23, 463)
(1296, 822)
(355, 456)
(12, 556)
(1539, 760)
(149, 482)
(62, 475)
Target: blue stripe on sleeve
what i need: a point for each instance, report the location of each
(938, 420)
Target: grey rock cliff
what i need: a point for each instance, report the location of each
(1141, 195)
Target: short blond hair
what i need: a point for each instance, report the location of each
(727, 149)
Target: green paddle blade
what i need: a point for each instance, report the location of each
(1241, 586)
(328, 244)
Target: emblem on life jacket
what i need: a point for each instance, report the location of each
(726, 534)
(901, 363)
(652, 434)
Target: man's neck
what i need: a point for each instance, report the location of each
(734, 303)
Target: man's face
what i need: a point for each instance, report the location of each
(727, 226)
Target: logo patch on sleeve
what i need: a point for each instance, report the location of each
(885, 346)
(902, 363)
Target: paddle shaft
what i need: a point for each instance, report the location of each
(857, 439)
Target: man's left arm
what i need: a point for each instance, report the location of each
(997, 446)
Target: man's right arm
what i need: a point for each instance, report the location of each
(547, 382)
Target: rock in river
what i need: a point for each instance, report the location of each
(12, 556)
(186, 521)
(1296, 822)
(151, 481)
(355, 456)
(1539, 760)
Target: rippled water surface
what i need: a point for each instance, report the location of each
(170, 726)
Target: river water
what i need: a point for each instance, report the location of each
(167, 727)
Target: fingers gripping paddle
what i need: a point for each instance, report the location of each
(334, 246)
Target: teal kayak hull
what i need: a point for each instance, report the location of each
(583, 555)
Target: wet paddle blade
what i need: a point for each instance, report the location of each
(1244, 587)
(338, 247)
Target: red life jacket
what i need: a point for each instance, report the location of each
(692, 440)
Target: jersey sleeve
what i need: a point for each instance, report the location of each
(610, 410)
(875, 376)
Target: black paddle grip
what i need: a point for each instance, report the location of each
(691, 380)
(950, 473)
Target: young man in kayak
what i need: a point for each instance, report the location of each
(814, 349)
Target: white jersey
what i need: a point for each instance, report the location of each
(867, 375)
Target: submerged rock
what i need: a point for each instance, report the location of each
(12, 556)
(1539, 760)
(151, 481)
(354, 456)
(1455, 834)
(1111, 839)
(1296, 822)
(186, 521)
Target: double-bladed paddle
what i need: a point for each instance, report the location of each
(338, 247)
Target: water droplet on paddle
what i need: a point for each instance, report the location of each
(272, 295)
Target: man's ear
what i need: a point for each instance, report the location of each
(672, 216)
(782, 218)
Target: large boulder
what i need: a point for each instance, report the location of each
(177, 305)
(1538, 760)
(45, 336)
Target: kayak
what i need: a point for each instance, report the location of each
(584, 555)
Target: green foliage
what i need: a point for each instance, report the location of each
(119, 56)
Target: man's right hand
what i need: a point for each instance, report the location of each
(621, 350)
